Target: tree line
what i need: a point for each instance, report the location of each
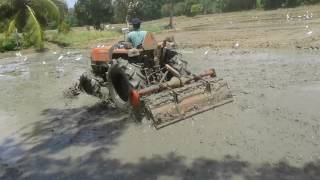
(23, 22)
(95, 12)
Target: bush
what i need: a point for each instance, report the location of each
(312, 1)
(1, 41)
(165, 10)
(3, 27)
(27, 42)
(220, 6)
(272, 4)
(9, 43)
(236, 5)
(259, 4)
(71, 19)
(196, 9)
(292, 3)
(188, 5)
(179, 8)
(64, 28)
(209, 6)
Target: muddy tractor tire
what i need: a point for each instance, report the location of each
(119, 86)
(122, 78)
(90, 85)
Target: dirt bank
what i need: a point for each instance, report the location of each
(296, 28)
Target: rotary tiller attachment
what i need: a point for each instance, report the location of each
(182, 98)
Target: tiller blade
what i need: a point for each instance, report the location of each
(176, 104)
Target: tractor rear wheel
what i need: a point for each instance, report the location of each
(119, 86)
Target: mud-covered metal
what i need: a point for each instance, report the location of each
(175, 82)
(174, 105)
(156, 83)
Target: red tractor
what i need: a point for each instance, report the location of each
(152, 81)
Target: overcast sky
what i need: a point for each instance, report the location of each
(70, 3)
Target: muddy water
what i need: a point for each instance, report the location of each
(34, 82)
(271, 129)
(31, 84)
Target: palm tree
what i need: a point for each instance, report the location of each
(31, 17)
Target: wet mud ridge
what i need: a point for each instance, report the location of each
(294, 28)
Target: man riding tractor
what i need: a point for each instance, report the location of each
(136, 37)
(150, 80)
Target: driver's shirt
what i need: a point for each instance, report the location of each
(136, 37)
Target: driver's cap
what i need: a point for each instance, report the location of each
(136, 21)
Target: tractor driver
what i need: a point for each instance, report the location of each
(136, 37)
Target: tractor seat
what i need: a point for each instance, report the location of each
(149, 42)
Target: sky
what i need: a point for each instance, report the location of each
(70, 3)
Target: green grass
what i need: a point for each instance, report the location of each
(80, 37)
(151, 26)
(155, 28)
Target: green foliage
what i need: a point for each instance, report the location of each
(153, 9)
(5, 14)
(272, 4)
(312, 1)
(196, 9)
(259, 4)
(220, 5)
(1, 41)
(64, 27)
(62, 6)
(236, 5)
(179, 8)
(29, 17)
(9, 43)
(188, 5)
(94, 12)
(33, 30)
(144, 9)
(165, 10)
(71, 18)
(79, 37)
(120, 10)
(3, 26)
(209, 6)
(292, 3)
(47, 9)
(149, 9)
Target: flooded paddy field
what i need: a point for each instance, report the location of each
(270, 131)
